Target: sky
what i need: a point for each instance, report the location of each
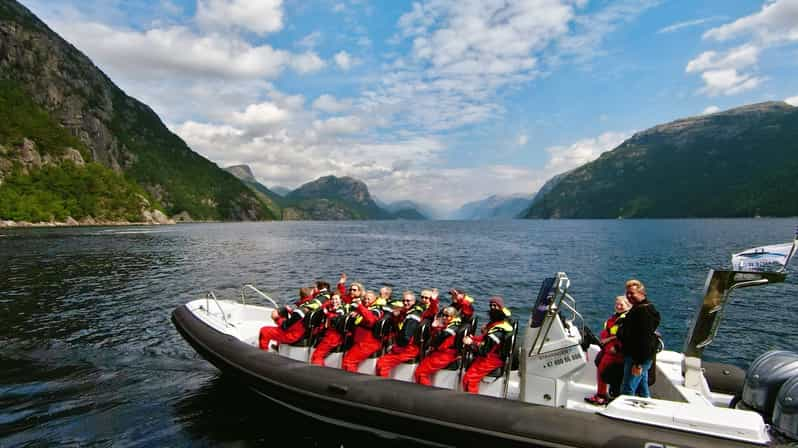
(437, 101)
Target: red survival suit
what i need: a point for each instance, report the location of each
(611, 351)
(291, 322)
(463, 303)
(364, 341)
(444, 352)
(488, 357)
(405, 347)
(333, 332)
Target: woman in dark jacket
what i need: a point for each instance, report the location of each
(639, 340)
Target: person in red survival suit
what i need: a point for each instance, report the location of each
(405, 346)
(335, 311)
(488, 346)
(444, 349)
(464, 304)
(290, 318)
(355, 291)
(366, 313)
(429, 300)
(610, 349)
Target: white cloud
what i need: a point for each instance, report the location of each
(736, 58)
(564, 158)
(710, 110)
(261, 114)
(344, 60)
(728, 82)
(328, 103)
(686, 24)
(258, 16)
(338, 125)
(522, 140)
(590, 30)
(723, 72)
(776, 22)
(175, 51)
(792, 101)
(307, 62)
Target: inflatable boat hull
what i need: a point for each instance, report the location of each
(425, 414)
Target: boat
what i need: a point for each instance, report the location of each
(537, 399)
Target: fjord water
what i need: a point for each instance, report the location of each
(88, 355)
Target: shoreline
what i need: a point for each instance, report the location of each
(4, 224)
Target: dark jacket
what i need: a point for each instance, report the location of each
(637, 332)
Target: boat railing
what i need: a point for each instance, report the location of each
(211, 296)
(508, 361)
(569, 303)
(560, 292)
(257, 291)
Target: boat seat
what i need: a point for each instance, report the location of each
(313, 323)
(455, 365)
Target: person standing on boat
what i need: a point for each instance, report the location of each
(638, 339)
(366, 314)
(405, 346)
(334, 329)
(610, 353)
(290, 320)
(444, 348)
(464, 304)
(488, 347)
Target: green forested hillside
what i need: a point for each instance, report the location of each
(55, 192)
(37, 184)
(737, 163)
(115, 130)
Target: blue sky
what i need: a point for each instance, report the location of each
(438, 101)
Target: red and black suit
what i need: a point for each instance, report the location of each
(444, 352)
(365, 343)
(488, 353)
(291, 321)
(334, 332)
(405, 346)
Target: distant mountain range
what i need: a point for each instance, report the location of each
(282, 191)
(737, 163)
(326, 198)
(494, 207)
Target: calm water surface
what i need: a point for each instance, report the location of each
(88, 355)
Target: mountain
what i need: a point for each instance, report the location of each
(406, 209)
(736, 163)
(267, 196)
(547, 187)
(282, 191)
(115, 131)
(494, 207)
(332, 198)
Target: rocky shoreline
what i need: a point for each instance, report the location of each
(149, 218)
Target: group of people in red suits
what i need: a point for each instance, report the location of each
(373, 321)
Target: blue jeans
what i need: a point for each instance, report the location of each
(635, 385)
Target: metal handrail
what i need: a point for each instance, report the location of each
(211, 296)
(259, 292)
(554, 309)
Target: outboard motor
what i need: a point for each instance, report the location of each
(766, 375)
(785, 413)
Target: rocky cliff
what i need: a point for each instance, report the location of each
(332, 198)
(118, 131)
(741, 162)
(272, 200)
